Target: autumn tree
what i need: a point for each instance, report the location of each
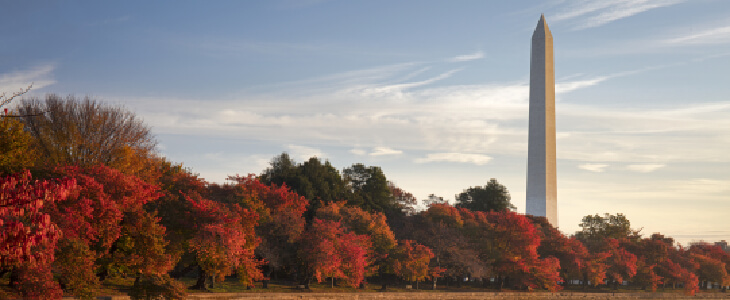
(651, 253)
(281, 221)
(515, 248)
(105, 226)
(87, 132)
(491, 197)
(177, 184)
(441, 228)
(571, 253)
(370, 224)
(329, 251)
(28, 235)
(224, 241)
(605, 237)
(211, 228)
(16, 152)
(411, 262)
(679, 267)
(713, 264)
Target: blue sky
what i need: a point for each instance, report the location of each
(434, 92)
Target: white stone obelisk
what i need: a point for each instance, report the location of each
(541, 182)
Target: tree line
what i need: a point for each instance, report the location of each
(85, 197)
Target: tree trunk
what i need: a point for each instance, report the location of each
(200, 283)
(267, 275)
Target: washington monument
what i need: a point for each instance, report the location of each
(542, 195)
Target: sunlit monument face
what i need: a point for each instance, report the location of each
(541, 181)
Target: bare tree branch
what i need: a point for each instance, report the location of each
(4, 99)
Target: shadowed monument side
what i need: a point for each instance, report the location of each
(541, 175)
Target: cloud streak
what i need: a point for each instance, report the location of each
(716, 35)
(594, 13)
(597, 168)
(467, 57)
(40, 76)
(382, 151)
(380, 116)
(477, 159)
(644, 168)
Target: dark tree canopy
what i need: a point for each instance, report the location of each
(319, 182)
(492, 197)
(370, 189)
(598, 227)
(85, 132)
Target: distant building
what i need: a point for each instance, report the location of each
(723, 244)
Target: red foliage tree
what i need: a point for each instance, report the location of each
(225, 240)
(714, 263)
(441, 229)
(370, 224)
(621, 263)
(106, 226)
(515, 244)
(571, 253)
(651, 253)
(28, 235)
(281, 222)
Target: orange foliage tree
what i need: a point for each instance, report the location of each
(411, 262)
(329, 251)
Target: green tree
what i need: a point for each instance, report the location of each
(319, 182)
(370, 189)
(492, 197)
(598, 227)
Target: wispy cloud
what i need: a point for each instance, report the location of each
(358, 151)
(477, 159)
(644, 168)
(397, 90)
(303, 153)
(422, 115)
(598, 168)
(716, 35)
(594, 13)
(40, 75)
(380, 151)
(467, 57)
